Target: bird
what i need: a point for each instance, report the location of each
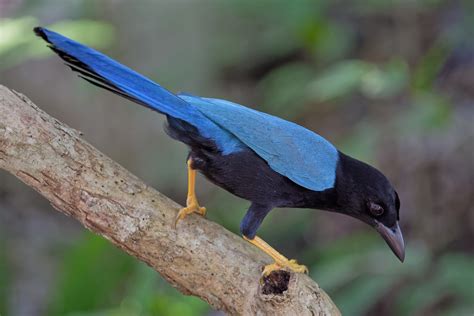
(269, 161)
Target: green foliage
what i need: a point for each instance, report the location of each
(326, 40)
(303, 86)
(289, 101)
(339, 80)
(430, 113)
(149, 295)
(352, 76)
(362, 141)
(451, 278)
(362, 293)
(18, 43)
(358, 272)
(95, 276)
(385, 81)
(91, 277)
(426, 73)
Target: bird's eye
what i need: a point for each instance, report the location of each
(375, 209)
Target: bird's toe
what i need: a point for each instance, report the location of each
(289, 265)
(191, 208)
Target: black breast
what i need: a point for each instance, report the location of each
(248, 176)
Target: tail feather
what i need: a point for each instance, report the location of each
(117, 78)
(108, 74)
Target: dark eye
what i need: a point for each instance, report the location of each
(375, 209)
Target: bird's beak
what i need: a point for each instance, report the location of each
(394, 238)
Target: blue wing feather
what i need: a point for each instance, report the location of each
(290, 149)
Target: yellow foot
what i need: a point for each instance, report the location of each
(291, 265)
(192, 207)
(281, 262)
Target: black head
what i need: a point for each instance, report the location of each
(365, 193)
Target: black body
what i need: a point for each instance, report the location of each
(248, 176)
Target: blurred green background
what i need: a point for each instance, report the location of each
(389, 82)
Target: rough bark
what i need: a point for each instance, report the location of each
(199, 257)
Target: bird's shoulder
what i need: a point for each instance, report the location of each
(290, 149)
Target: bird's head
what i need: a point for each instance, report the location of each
(366, 194)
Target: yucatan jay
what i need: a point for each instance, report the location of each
(256, 156)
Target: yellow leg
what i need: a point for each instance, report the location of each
(281, 262)
(192, 205)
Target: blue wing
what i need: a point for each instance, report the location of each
(111, 75)
(290, 149)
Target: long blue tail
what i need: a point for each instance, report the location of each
(106, 73)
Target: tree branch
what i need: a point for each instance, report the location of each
(199, 257)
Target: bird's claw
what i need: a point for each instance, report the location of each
(192, 207)
(291, 265)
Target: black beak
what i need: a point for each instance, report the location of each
(393, 237)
